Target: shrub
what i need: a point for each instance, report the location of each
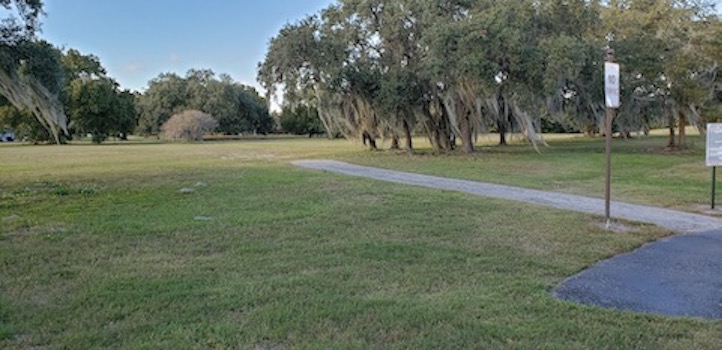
(189, 125)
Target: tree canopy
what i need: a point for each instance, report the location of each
(456, 68)
(301, 120)
(237, 108)
(78, 87)
(31, 73)
(22, 21)
(31, 79)
(99, 108)
(42, 81)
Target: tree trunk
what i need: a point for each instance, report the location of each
(501, 126)
(447, 137)
(682, 131)
(444, 135)
(671, 143)
(395, 142)
(502, 136)
(434, 137)
(436, 143)
(371, 141)
(409, 140)
(372, 144)
(466, 135)
(502, 123)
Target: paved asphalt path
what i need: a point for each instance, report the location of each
(678, 276)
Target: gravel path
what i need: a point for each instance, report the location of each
(674, 220)
(678, 276)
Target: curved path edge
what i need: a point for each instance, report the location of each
(676, 221)
(677, 276)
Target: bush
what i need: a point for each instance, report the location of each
(189, 125)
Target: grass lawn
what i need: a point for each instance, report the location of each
(99, 248)
(643, 170)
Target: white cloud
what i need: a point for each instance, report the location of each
(133, 68)
(174, 58)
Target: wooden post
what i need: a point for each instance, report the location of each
(608, 175)
(714, 185)
(608, 134)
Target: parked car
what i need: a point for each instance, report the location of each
(7, 136)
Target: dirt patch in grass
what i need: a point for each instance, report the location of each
(617, 226)
(707, 209)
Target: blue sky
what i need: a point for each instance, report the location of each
(138, 39)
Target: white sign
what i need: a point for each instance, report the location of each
(611, 84)
(714, 144)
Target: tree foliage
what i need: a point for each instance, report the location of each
(77, 65)
(31, 79)
(31, 75)
(237, 108)
(456, 68)
(302, 120)
(89, 100)
(93, 101)
(97, 107)
(22, 21)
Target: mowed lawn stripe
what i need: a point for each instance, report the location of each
(291, 258)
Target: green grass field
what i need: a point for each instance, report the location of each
(644, 171)
(99, 248)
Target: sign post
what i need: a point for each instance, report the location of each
(714, 153)
(611, 97)
(714, 185)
